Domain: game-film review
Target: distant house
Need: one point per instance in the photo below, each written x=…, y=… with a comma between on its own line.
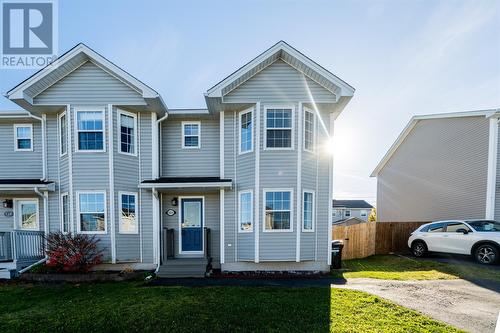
x=442, y=166
x=349, y=221
x=346, y=209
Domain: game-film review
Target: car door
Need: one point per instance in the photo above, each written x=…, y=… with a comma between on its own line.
x=433, y=237
x=455, y=240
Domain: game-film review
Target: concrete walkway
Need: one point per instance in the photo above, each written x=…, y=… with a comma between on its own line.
x=459, y=303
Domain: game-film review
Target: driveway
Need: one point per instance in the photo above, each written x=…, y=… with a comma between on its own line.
x=459, y=303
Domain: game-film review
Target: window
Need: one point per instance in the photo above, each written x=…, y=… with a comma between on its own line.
x=27, y=214
x=436, y=227
x=63, y=134
x=128, y=217
x=309, y=131
x=91, y=208
x=65, y=212
x=456, y=226
x=191, y=134
x=277, y=211
x=485, y=225
x=363, y=213
x=90, y=128
x=308, y=208
x=128, y=125
x=279, y=128
x=245, y=131
x=347, y=213
x=23, y=137
x=245, y=211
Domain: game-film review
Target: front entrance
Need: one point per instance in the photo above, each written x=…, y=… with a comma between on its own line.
x=191, y=225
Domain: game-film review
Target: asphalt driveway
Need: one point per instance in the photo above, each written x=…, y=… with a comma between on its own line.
x=460, y=303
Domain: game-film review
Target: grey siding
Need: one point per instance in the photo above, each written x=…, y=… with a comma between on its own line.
x=145, y=196
x=89, y=84
x=355, y=212
x=438, y=172
x=279, y=82
x=179, y=162
x=497, y=183
x=20, y=164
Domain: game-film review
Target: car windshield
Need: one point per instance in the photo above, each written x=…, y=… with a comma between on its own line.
x=485, y=225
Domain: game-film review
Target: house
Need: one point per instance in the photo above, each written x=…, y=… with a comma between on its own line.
x=345, y=209
x=442, y=166
x=242, y=185
x=349, y=221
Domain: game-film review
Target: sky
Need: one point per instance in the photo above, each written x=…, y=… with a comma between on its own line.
x=403, y=57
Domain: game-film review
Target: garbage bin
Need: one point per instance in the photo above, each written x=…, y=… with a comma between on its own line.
x=337, y=246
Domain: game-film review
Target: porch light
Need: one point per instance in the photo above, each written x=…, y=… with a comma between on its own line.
x=174, y=201
x=7, y=203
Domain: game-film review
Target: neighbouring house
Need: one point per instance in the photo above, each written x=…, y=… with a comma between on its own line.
x=442, y=166
x=346, y=209
x=349, y=221
x=242, y=185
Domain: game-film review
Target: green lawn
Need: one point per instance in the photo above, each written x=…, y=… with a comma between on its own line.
x=392, y=267
x=132, y=307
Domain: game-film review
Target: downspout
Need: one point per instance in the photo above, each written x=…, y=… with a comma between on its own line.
x=43, y=121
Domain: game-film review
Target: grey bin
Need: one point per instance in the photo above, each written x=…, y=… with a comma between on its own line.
x=337, y=246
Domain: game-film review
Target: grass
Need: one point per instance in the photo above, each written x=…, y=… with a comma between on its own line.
x=132, y=307
x=392, y=267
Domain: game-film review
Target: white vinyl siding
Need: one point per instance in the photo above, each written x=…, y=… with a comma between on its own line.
x=127, y=133
x=92, y=212
x=191, y=134
x=90, y=130
x=128, y=216
x=23, y=134
x=245, y=211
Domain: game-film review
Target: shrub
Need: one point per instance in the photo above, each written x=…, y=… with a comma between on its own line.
x=72, y=252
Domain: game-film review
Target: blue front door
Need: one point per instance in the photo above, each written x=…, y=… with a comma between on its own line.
x=192, y=224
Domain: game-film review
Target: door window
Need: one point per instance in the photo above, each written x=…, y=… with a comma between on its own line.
x=27, y=214
x=192, y=217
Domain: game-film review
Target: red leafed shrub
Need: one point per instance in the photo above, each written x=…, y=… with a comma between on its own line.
x=72, y=252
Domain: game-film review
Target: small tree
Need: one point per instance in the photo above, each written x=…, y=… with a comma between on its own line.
x=72, y=252
x=373, y=215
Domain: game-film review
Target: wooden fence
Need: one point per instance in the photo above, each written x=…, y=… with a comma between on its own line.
x=366, y=239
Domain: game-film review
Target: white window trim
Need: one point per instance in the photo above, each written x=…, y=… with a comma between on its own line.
x=59, y=117
x=16, y=126
x=17, y=224
x=307, y=110
x=90, y=109
x=79, y=224
x=279, y=106
x=134, y=194
x=118, y=131
x=239, y=211
x=61, y=212
x=203, y=224
x=240, y=115
x=199, y=134
x=266, y=190
x=313, y=221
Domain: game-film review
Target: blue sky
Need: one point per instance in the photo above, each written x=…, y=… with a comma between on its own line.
x=403, y=57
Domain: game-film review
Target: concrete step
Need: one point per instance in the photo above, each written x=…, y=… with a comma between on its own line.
x=183, y=267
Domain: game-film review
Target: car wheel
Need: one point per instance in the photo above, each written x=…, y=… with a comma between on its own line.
x=419, y=249
x=486, y=254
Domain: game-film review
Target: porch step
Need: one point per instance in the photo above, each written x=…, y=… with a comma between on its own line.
x=183, y=267
x=7, y=273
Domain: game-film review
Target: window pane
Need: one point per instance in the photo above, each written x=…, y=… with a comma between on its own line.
x=485, y=225
x=64, y=134
x=28, y=215
x=90, y=141
x=91, y=212
x=92, y=222
x=127, y=134
x=128, y=220
x=191, y=141
x=278, y=210
x=308, y=210
x=65, y=213
x=24, y=144
x=454, y=226
x=438, y=227
x=23, y=132
x=246, y=211
x=277, y=220
x=279, y=138
x=309, y=130
x=246, y=132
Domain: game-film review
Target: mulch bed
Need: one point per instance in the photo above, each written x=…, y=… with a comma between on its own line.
x=100, y=276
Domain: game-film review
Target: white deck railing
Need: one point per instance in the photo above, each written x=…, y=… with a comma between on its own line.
x=27, y=245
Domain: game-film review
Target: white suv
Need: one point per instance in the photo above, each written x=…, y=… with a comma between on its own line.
x=479, y=238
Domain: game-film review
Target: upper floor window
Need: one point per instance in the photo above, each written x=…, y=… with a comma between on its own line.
x=128, y=216
x=90, y=129
x=128, y=137
x=63, y=134
x=245, y=211
x=246, y=144
x=278, y=213
x=23, y=137
x=308, y=131
x=91, y=211
x=279, y=128
x=308, y=208
x=191, y=134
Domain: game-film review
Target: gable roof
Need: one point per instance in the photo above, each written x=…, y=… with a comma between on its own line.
x=415, y=119
x=351, y=204
x=291, y=56
x=73, y=59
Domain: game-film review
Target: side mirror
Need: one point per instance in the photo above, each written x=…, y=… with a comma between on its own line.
x=463, y=231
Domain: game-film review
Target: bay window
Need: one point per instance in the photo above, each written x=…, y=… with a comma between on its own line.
x=90, y=130
x=308, y=210
x=92, y=212
x=245, y=213
x=128, y=216
x=279, y=128
x=278, y=213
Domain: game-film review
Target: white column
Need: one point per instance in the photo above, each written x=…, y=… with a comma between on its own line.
x=256, y=215
x=70, y=167
x=299, y=181
x=492, y=169
x=111, y=153
x=330, y=195
x=222, y=226
x=156, y=225
x=44, y=146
